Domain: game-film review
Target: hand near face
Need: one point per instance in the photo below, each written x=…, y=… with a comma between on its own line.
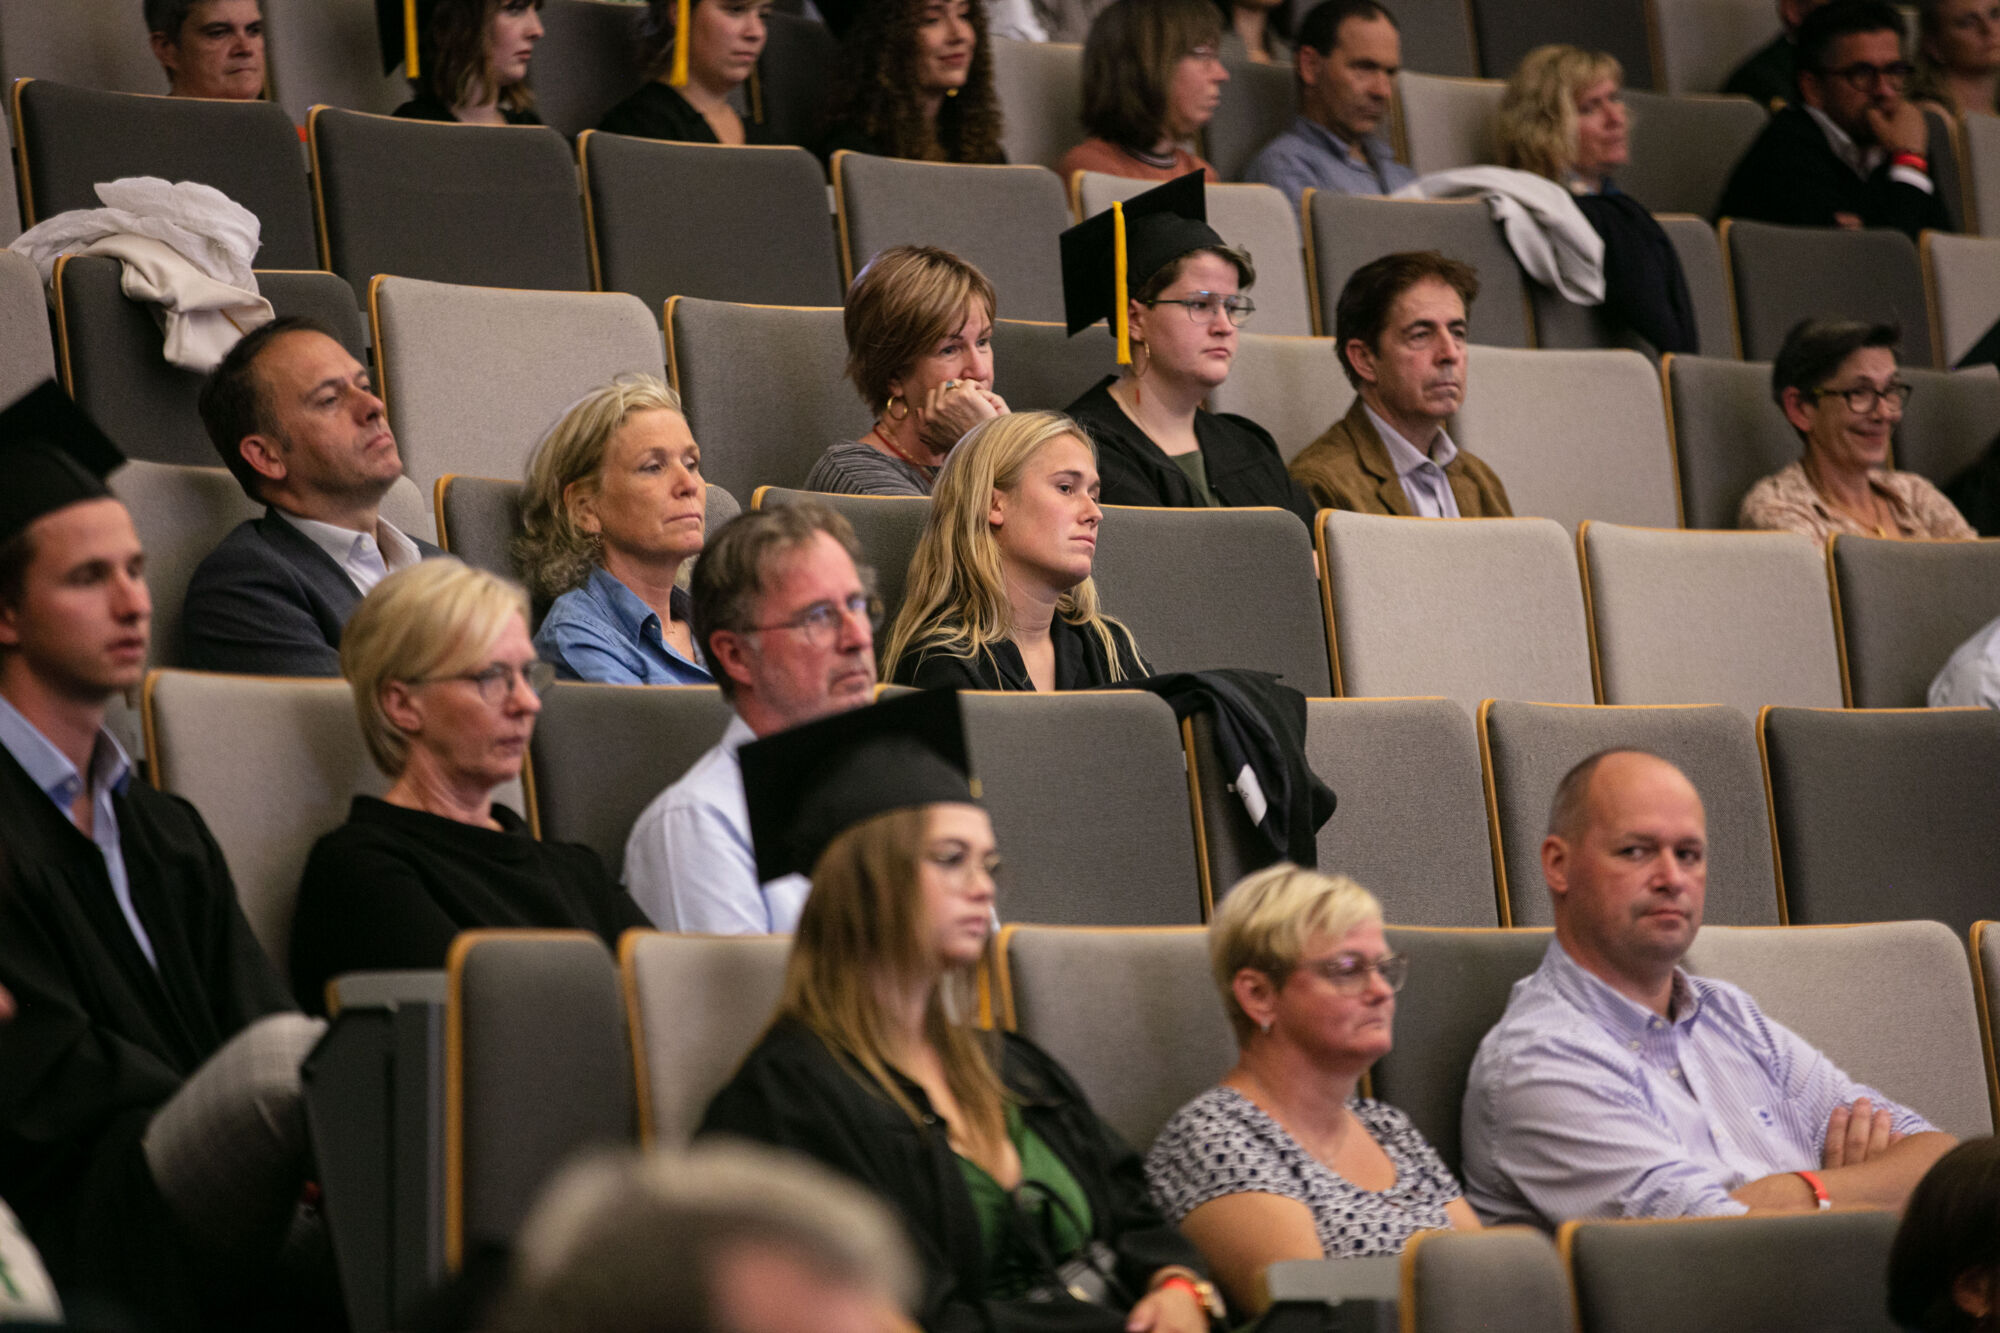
x=1168, y=1310
x=1902, y=130
x=953, y=408
x=1858, y=1134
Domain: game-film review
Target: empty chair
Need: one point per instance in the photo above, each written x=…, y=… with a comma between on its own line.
x=485, y=205
x=1443, y=123
x=727, y=224
x=1701, y=42
x=794, y=78
x=1885, y=815
x=1501, y=1280
x=1948, y=424
x=328, y=52
x=1003, y=219
x=1781, y=275
x=1037, y=366
x=1741, y=618
x=1727, y=434
x=1529, y=747
x=1259, y=102
x=586, y=62
x=1982, y=161
x=1683, y=148
x=72, y=138
x=1470, y=609
x=1573, y=435
x=887, y=526
x=26, y=356
x=1345, y=231
x=698, y=1004
x=1292, y=387
x=1508, y=29
x=1903, y=608
x=1962, y=277
x=1041, y=86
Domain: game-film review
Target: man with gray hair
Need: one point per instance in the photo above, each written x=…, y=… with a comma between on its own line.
x=209, y=48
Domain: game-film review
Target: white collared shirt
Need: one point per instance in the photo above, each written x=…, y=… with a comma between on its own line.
x=1422, y=475
x=1864, y=161
x=367, y=558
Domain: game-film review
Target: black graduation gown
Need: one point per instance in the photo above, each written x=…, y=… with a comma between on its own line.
x=658, y=111
x=100, y=1040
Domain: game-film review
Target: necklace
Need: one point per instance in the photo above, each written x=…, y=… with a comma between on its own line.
x=890, y=445
x=1870, y=520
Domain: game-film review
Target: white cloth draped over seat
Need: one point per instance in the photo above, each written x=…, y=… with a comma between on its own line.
x=1547, y=232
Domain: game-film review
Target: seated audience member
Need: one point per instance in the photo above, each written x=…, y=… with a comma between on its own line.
x=1563, y=117
x=613, y=508
x=1944, y=1267
x=1836, y=382
x=1400, y=329
x=1349, y=52
x=300, y=428
x=1958, y=55
x=762, y=1242
x=1250, y=32
x=784, y=616
x=153, y=1140
x=999, y=594
x=209, y=48
x=1152, y=77
x=446, y=687
x=687, y=94
x=919, y=324
x=1768, y=76
x=472, y=62
x=1851, y=153
x=1284, y=1160
x=1970, y=678
x=1173, y=311
x=1019, y=1200
x=1577, y=1105
x=916, y=81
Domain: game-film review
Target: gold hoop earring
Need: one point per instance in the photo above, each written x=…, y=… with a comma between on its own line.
x=889, y=408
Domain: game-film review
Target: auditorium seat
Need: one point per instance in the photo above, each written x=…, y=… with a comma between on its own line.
x=1260, y=102
x=1345, y=231
x=1508, y=30
x=181, y=513
x=794, y=77
x=1437, y=35
x=1948, y=424
x=698, y=1003
x=1293, y=387
x=1701, y=42
x=1683, y=148
x=1727, y=433
x=1039, y=367
x=1040, y=88
x=1980, y=133
x=328, y=52
x=91, y=46
x=1444, y=122
x=26, y=353
x=1500, y=1280
x=1529, y=747
x=587, y=62
x=887, y=526
x=1986, y=983
x=1782, y=275
x=1962, y=279
x=1945, y=153
x=1561, y=323
x=1903, y=608
x=1742, y=618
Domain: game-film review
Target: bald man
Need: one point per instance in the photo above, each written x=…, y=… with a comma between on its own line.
x=1616, y=1085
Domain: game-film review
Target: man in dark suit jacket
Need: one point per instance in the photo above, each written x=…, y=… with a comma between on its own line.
x=297, y=423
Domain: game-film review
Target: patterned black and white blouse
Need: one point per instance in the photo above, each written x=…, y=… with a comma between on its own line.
x=1222, y=1143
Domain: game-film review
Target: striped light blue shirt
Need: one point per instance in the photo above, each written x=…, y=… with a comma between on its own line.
x=1582, y=1104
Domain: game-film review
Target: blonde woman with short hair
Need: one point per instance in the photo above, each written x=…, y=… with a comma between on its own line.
x=1283, y=1160
x=446, y=686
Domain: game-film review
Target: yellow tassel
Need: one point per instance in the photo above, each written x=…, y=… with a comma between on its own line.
x=410, y=70
x=1120, y=318
x=683, y=15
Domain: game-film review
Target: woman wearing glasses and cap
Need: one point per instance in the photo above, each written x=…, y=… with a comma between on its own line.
x=1174, y=306
x=693, y=75
x=1282, y=1160
x=471, y=59
x=446, y=685
x=1025, y=1210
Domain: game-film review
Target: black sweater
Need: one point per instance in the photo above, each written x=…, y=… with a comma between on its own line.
x=1081, y=663
x=1791, y=176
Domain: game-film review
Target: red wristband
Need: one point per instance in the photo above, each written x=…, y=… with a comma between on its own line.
x=1185, y=1285
x=1818, y=1187
x=1911, y=160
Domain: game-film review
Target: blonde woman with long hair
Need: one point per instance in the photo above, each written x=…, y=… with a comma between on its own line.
x=999, y=594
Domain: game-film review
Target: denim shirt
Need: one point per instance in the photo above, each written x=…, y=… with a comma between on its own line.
x=603, y=632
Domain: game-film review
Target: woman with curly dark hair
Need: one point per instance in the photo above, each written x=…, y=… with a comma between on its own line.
x=472, y=62
x=917, y=82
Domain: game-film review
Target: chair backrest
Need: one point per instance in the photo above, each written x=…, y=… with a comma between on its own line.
x=328, y=53
x=1683, y=148
x=1700, y=253
x=1986, y=985
x=1574, y=435
x=1903, y=608
x=475, y=376
x=1981, y=131
x=1259, y=101
x=1041, y=86
x=92, y=46
x=1717, y=1272
x=592, y=779
x=1742, y=618
x=673, y=219
x=1884, y=815
x=751, y=436
x=1528, y=748
x=1251, y=573
x=1037, y=366
x=1727, y=434
x=485, y=205
x=1962, y=277
x=1470, y=609
x=27, y=356
x=697, y=1005
x=1508, y=29
x=72, y=138
x=1345, y=231
x=586, y=62
x=113, y=367
x=1132, y=1015
x=1292, y=387
x=1701, y=42
x=538, y=1066
x=887, y=527
x=794, y=78
x=1948, y=425
x=1944, y=151
x=1089, y=798
x=1444, y=122
x=1003, y=219
x=1501, y=1280
x=181, y=514
x=1781, y=275
x=1437, y=35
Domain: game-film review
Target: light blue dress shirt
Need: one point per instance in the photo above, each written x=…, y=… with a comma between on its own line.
x=603, y=632
x=1422, y=475
x=49, y=769
x=1309, y=155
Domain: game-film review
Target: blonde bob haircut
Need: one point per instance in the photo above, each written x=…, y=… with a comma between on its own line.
x=436, y=618
x=552, y=550
x=907, y=301
x=1266, y=921
x=1536, y=125
x=956, y=602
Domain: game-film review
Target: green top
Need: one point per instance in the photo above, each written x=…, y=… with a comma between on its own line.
x=1196, y=468
x=1006, y=1221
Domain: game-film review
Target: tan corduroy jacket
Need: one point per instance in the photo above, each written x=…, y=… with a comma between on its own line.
x=1348, y=467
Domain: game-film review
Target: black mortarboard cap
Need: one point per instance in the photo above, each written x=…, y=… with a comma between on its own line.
x=399, y=24
x=808, y=785
x=51, y=455
x=1157, y=228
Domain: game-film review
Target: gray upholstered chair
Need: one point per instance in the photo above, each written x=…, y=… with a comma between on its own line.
x=1884, y=815
x=1508, y=29
x=329, y=53
x=112, y=362
x=1003, y=219
x=1261, y=100
x=1133, y=1015
x=1437, y=35
x=1037, y=366
x=475, y=376
x=1982, y=160
x=750, y=435
x=89, y=45
x=26, y=354
x=485, y=205
x=181, y=513
x=1943, y=153
x=1798, y=1274
x=794, y=78
x=1345, y=231
x=1441, y=122
x=1985, y=942
x=1701, y=42
x=72, y=138
x=1292, y=387
x=1948, y=424
x=1903, y=608
x=1742, y=618
x=1574, y=435
x=1041, y=86
x=690, y=219
x=1501, y=1280
x=1561, y=323
x=1782, y=275
x=601, y=753
x=887, y=527
x=1683, y=148
x=699, y=1003
x=1528, y=748
x=1472, y=609
x=1962, y=278
x=1727, y=434
x=586, y=62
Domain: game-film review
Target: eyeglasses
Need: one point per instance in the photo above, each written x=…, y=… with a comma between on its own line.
x=497, y=682
x=1348, y=973
x=821, y=622
x=1862, y=398
x=1862, y=76
x=1201, y=307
